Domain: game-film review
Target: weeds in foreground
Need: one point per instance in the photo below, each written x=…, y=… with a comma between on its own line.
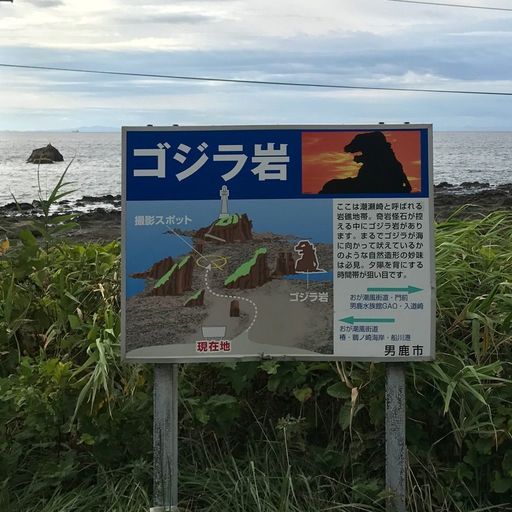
x=267, y=436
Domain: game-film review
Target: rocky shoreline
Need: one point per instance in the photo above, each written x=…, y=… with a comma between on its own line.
x=99, y=218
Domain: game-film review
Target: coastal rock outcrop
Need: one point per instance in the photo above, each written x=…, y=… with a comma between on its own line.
x=46, y=155
x=156, y=271
x=177, y=280
x=251, y=274
x=232, y=228
x=197, y=299
x=234, y=309
x=285, y=265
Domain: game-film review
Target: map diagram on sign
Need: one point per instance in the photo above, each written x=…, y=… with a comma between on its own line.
x=227, y=289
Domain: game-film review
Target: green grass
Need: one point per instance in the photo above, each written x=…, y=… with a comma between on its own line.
x=171, y=271
x=259, y=436
x=166, y=276
x=183, y=261
x=194, y=296
x=228, y=221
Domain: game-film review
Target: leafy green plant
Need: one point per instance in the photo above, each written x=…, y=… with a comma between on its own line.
x=268, y=435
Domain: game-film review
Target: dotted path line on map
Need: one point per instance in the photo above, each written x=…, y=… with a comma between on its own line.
x=224, y=296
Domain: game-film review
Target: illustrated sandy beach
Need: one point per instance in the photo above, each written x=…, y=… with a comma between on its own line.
x=289, y=312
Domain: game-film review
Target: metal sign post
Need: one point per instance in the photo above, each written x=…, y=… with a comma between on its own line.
x=165, y=438
x=396, y=450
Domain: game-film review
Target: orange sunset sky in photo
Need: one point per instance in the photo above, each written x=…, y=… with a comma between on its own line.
x=323, y=158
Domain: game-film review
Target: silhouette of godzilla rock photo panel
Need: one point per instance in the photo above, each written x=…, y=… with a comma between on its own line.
x=380, y=171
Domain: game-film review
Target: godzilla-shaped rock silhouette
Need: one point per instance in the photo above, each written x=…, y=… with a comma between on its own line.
x=380, y=172
x=308, y=260
x=251, y=274
x=46, y=155
x=234, y=228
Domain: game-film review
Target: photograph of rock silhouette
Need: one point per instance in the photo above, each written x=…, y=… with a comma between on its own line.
x=373, y=162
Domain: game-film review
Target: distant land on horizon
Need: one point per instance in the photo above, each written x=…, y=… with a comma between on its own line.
x=113, y=129
x=82, y=129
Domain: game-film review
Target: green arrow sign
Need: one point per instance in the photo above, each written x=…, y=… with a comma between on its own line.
x=409, y=289
x=352, y=320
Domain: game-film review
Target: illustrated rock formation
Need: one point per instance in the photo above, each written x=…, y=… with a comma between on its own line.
x=156, y=271
x=252, y=273
x=234, y=309
x=197, y=299
x=199, y=245
x=233, y=228
x=285, y=264
x=46, y=155
x=308, y=261
x=177, y=280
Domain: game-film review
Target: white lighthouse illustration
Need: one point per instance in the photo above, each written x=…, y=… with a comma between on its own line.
x=224, y=194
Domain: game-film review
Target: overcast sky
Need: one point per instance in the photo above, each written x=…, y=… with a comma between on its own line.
x=359, y=42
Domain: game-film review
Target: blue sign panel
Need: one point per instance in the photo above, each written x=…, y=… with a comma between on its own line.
x=310, y=242
x=272, y=163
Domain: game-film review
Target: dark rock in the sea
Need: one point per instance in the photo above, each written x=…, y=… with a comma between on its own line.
x=285, y=265
x=46, y=155
x=107, y=198
x=195, y=300
x=36, y=203
x=443, y=184
x=474, y=184
x=234, y=309
x=14, y=207
x=9, y=207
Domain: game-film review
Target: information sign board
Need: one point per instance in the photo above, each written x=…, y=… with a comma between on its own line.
x=289, y=242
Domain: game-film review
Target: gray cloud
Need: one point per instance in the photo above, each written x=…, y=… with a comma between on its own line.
x=167, y=18
x=444, y=55
x=45, y=3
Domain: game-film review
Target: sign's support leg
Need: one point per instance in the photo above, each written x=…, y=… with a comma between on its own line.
x=165, y=438
x=396, y=451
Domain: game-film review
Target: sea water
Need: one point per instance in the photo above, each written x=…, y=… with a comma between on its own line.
x=459, y=157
